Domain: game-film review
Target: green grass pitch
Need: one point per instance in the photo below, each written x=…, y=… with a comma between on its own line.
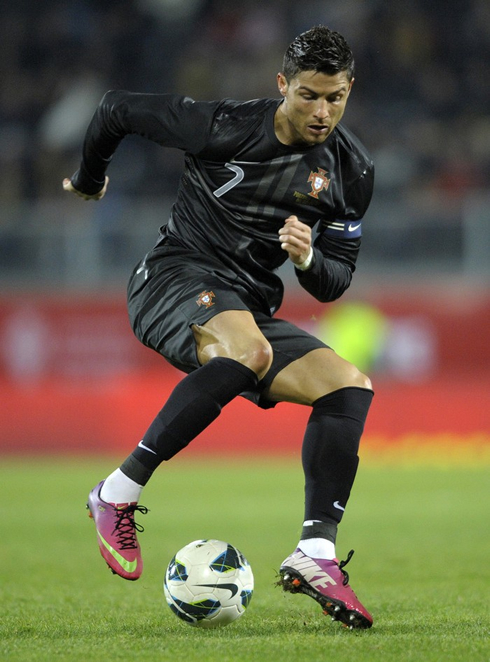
x=422, y=564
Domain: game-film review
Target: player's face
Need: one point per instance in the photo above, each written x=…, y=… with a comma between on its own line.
x=313, y=105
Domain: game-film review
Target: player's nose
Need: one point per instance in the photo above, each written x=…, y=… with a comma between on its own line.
x=321, y=109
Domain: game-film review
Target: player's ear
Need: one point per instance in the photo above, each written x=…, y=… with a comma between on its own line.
x=282, y=84
x=349, y=89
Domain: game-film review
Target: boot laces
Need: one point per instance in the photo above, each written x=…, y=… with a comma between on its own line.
x=125, y=528
x=342, y=564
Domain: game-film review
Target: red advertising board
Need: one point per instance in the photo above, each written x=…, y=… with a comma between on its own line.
x=74, y=378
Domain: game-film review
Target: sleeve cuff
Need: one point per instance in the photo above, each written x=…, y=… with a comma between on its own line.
x=304, y=266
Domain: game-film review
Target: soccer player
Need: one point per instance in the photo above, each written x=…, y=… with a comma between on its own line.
x=259, y=177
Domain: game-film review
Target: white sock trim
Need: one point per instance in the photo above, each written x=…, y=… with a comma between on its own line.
x=318, y=548
x=118, y=488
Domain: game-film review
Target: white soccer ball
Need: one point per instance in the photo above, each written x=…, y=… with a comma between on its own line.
x=208, y=583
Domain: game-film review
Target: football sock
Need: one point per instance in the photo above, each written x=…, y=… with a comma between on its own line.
x=318, y=548
x=329, y=455
x=118, y=488
x=318, y=539
x=194, y=403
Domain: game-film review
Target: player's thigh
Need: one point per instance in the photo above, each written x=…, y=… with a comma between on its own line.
x=234, y=334
x=314, y=375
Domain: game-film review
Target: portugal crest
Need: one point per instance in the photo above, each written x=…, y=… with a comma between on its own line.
x=205, y=299
x=318, y=182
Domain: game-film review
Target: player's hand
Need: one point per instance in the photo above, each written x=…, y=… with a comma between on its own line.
x=295, y=238
x=68, y=186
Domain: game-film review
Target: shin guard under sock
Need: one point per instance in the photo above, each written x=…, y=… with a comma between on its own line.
x=194, y=403
x=329, y=454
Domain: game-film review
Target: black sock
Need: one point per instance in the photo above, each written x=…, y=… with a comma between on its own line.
x=193, y=404
x=329, y=454
x=327, y=530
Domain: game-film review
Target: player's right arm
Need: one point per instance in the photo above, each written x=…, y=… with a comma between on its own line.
x=68, y=186
x=170, y=120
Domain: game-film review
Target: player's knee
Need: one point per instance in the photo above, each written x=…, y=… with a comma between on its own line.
x=366, y=382
x=253, y=352
x=357, y=378
x=257, y=356
x=347, y=375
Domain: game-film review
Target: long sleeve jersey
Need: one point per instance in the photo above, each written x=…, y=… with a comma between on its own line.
x=240, y=183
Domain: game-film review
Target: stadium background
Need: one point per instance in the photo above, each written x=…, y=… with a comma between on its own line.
x=417, y=316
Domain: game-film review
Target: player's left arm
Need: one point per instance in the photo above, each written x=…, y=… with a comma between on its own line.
x=324, y=268
x=334, y=253
x=332, y=267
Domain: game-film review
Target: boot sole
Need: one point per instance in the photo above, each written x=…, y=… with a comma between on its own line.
x=293, y=582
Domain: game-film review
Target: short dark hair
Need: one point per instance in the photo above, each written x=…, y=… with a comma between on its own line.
x=318, y=49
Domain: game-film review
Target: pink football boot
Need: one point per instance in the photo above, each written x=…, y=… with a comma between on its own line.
x=116, y=534
x=327, y=583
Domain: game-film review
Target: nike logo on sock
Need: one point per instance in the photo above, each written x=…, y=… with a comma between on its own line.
x=337, y=505
x=145, y=448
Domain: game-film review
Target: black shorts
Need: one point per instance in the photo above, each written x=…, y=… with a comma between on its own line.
x=173, y=288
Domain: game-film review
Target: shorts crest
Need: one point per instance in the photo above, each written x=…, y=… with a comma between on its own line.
x=205, y=299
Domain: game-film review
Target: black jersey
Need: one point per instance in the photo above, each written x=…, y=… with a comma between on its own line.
x=240, y=183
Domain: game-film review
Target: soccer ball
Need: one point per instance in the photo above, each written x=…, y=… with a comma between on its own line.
x=208, y=583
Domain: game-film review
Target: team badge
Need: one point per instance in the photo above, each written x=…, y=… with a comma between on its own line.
x=205, y=299
x=318, y=182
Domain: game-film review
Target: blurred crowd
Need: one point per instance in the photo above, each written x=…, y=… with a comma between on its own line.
x=420, y=101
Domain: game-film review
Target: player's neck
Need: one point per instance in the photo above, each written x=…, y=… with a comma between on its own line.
x=282, y=127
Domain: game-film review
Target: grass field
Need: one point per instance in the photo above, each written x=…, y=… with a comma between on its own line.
x=422, y=564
